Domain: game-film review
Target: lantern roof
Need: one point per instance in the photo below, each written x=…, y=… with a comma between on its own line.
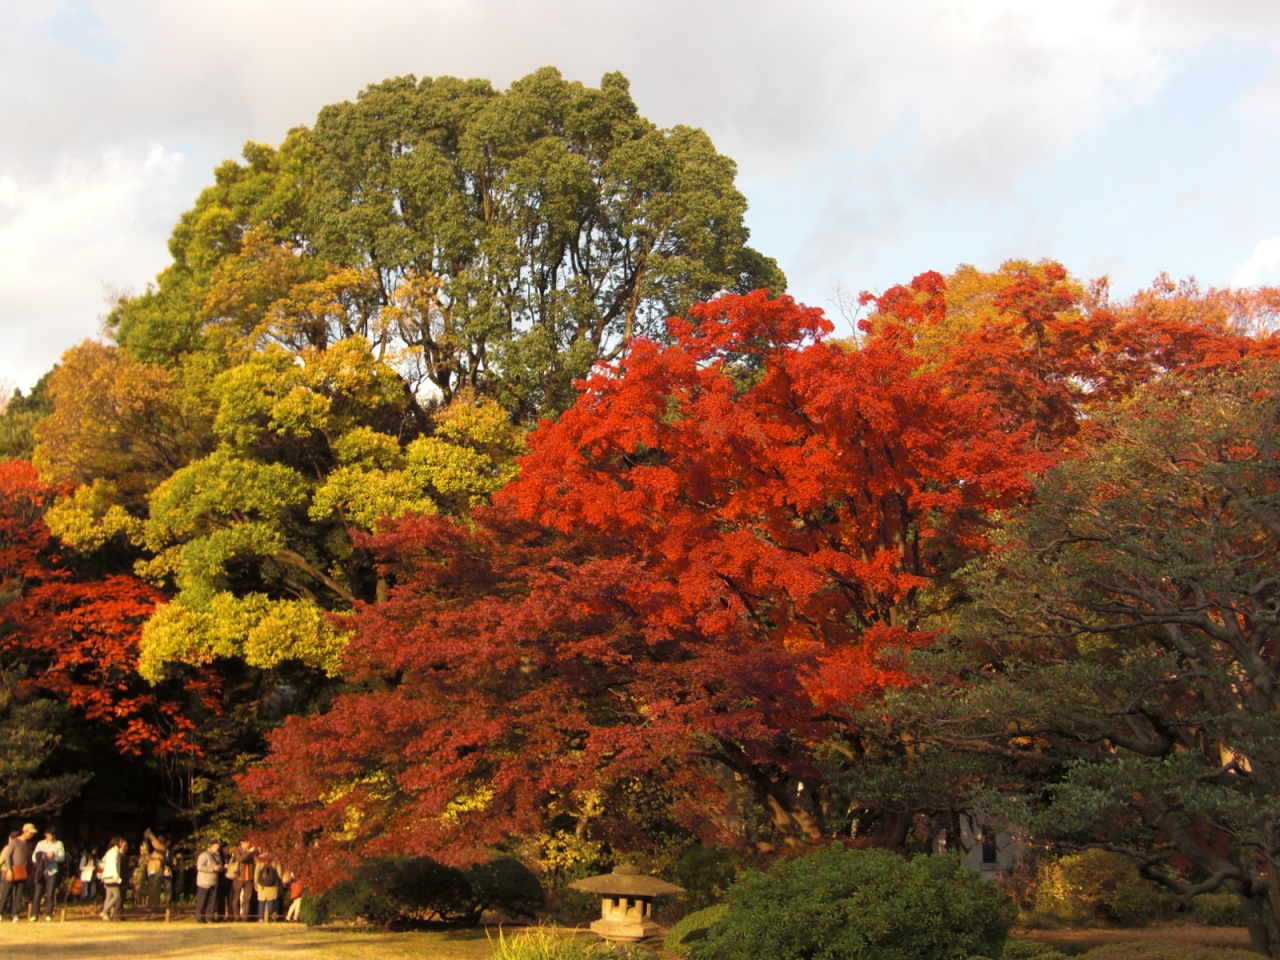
x=625, y=881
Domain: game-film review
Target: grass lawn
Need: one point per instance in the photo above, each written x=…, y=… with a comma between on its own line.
x=1072, y=940
x=83, y=939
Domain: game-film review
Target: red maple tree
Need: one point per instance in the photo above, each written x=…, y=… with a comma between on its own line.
x=701, y=563
x=76, y=634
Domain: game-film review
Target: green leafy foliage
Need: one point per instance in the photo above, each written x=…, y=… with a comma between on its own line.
x=30, y=730
x=261, y=197
x=1217, y=910
x=19, y=413
x=480, y=239
x=707, y=873
x=1098, y=885
x=856, y=904
x=692, y=928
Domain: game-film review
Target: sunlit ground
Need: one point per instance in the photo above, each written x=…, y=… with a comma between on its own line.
x=185, y=940
x=80, y=937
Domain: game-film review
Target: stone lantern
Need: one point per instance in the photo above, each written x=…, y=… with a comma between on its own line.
x=626, y=914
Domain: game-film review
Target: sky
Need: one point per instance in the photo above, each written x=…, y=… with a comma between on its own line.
x=874, y=140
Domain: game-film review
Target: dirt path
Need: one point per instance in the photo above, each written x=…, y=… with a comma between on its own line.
x=186, y=940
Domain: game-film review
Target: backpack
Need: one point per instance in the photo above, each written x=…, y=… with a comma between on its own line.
x=267, y=876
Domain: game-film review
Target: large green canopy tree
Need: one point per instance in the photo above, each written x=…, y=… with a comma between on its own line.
x=497, y=240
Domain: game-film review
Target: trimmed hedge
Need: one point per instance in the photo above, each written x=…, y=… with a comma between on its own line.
x=861, y=905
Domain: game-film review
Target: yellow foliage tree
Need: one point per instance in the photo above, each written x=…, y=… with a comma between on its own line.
x=259, y=537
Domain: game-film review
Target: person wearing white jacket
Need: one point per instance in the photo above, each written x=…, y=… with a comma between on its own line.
x=50, y=855
x=112, y=876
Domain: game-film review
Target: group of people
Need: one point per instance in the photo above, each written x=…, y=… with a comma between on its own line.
x=231, y=882
x=39, y=871
x=240, y=883
x=31, y=869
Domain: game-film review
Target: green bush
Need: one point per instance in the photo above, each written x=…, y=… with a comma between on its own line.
x=1029, y=950
x=707, y=873
x=395, y=891
x=543, y=944
x=692, y=928
x=1165, y=950
x=401, y=891
x=1217, y=910
x=859, y=905
x=1099, y=885
x=505, y=884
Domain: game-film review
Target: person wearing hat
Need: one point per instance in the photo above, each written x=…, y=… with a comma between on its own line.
x=50, y=855
x=16, y=874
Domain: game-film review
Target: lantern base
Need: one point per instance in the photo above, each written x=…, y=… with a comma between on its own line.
x=625, y=931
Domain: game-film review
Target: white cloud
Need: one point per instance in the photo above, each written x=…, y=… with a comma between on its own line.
x=1263, y=265
x=87, y=224
x=856, y=120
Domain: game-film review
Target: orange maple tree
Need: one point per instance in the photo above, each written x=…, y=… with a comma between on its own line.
x=720, y=547
x=1049, y=350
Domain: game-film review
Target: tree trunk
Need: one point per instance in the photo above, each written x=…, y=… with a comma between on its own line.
x=1259, y=920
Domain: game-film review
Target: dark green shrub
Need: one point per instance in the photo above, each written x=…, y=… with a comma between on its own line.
x=505, y=884
x=1027, y=950
x=1217, y=910
x=1165, y=950
x=691, y=929
x=861, y=905
x=707, y=873
x=395, y=891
